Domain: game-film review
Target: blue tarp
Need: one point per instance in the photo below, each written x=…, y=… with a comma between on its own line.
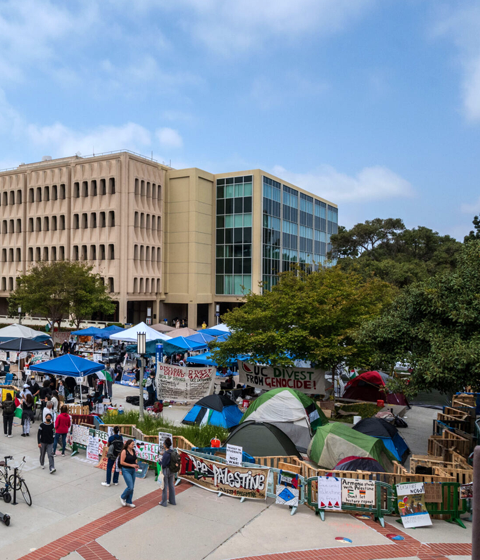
x=91, y=331
x=202, y=359
x=105, y=333
x=201, y=338
x=227, y=418
x=213, y=332
x=68, y=365
x=180, y=344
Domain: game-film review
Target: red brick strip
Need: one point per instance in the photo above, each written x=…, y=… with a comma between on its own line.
x=93, y=551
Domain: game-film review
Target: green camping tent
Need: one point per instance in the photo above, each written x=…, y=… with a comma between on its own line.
x=293, y=412
x=261, y=439
x=336, y=441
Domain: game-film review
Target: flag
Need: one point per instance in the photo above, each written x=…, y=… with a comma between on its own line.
x=107, y=375
x=18, y=412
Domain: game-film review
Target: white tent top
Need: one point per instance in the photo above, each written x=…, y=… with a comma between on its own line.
x=130, y=335
x=221, y=327
x=19, y=331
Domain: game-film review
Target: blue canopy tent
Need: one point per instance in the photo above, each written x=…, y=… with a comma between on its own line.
x=213, y=332
x=105, y=333
x=201, y=338
x=91, y=331
x=181, y=344
x=202, y=359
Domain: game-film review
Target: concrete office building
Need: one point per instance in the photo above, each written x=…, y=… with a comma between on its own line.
x=169, y=243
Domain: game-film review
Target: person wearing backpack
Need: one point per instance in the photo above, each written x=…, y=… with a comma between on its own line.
x=170, y=466
x=9, y=407
x=115, y=446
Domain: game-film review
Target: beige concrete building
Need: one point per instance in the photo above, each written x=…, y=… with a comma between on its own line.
x=169, y=243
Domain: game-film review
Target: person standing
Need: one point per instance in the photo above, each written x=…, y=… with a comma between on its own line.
x=54, y=401
x=168, y=471
x=49, y=410
x=25, y=391
x=115, y=446
x=45, y=440
x=63, y=423
x=128, y=463
x=28, y=414
x=9, y=407
x=151, y=389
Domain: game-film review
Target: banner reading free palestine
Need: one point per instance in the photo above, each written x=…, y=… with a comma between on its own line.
x=306, y=380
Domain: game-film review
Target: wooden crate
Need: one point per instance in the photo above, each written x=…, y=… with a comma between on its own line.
x=452, y=422
x=450, y=411
x=441, y=445
x=464, y=400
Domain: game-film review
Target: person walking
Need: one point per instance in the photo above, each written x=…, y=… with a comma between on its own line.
x=45, y=440
x=169, y=468
x=28, y=414
x=63, y=423
x=115, y=446
x=9, y=407
x=128, y=463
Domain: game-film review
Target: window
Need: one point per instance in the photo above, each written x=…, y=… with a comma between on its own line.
x=4, y=284
x=76, y=221
x=93, y=220
x=135, y=252
x=46, y=224
x=159, y=224
x=62, y=222
x=153, y=254
x=62, y=253
x=135, y=285
x=158, y=255
x=147, y=254
x=47, y=193
x=85, y=188
x=142, y=220
x=75, y=252
x=111, y=219
x=30, y=224
x=10, y=255
x=142, y=252
x=84, y=253
x=30, y=254
x=141, y=285
x=111, y=252
x=111, y=185
x=19, y=255
x=4, y=226
x=62, y=192
x=103, y=186
x=154, y=190
x=149, y=190
x=39, y=194
x=84, y=221
x=4, y=255
x=76, y=190
x=93, y=252
x=12, y=197
x=54, y=192
x=31, y=195
x=158, y=285
x=38, y=224
x=103, y=221
x=19, y=197
x=5, y=199
x=102, y=252
x=45, y=253
x=136, y=186
x=94, y=188
x=147, y=224
x=135, y=220
x=111, y=285
x=10, y=283
x=147, y=285
x=54, y=223
x=142, y=188
x=159, y=192
x=12, y=226
x=54, y=253
x=38, y=254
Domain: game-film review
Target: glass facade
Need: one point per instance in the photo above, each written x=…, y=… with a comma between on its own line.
x=233, y=263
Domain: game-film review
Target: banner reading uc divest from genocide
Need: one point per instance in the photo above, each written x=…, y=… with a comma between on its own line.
x=184, y=383
x=239, y=482
x=306, y=380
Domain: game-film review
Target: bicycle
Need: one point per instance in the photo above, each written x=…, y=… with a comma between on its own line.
x=10, y=484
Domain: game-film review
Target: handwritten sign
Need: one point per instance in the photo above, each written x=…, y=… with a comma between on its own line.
x=184, y=383
x=433, y=493
x=411, y=505
x=329, y=492
x=359, y=492
x=286, y=496
x=146, y=450
x=234, y=455
x=80, y=434
x=92, y=448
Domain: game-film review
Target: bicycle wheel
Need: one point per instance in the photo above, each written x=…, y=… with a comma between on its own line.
x=25, y=493
x=11, y=480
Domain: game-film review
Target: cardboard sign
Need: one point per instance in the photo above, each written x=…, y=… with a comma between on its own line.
x=411, y=505
x=80, y=434
x=162, y=436
x=329, y=493
x=358, y=492
x=286, y=496
x=146, y=450
x=466, y=491
x=238, y=482
x=93, y=448
x=184, y=383
x=289, y=479
x=433, y=493
x=234, y=455
x=306, y=380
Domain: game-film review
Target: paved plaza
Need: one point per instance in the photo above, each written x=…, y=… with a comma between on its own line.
x=73, y=516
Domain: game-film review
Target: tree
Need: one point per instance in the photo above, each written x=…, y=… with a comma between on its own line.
x=473, y=234
x=60, y=290
x=386, y=249
x=435, y=327
x=306, y=316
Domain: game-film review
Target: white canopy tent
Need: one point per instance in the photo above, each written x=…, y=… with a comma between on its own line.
x=18, y=331
x=130, y=335
x=221, y=327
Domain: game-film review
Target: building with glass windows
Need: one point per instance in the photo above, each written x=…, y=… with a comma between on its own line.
x=170, y=243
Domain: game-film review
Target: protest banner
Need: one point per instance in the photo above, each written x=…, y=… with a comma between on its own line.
x=329, y=493
x=433, y=493
x=80, y=434
x=306, y=380
x=184, y=383
x=358, y=492
x=411, y=505
x=238, y=482
x=146, y=450
x=234, y=455
x=92, y=448
x=466, y=491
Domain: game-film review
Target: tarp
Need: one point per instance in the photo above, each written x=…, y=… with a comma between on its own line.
x=107, y=331
x=184, y=331
x=202, y=359
x=214, y=410
x=293, y=412
x=162, y=327
x=200, y=338
x=181, y=344
x=18, y=331
x=90, y=331
x=130, y=335
x=359, y=464
x=336, y=441
x=370, y=386
x=213, y=332
x=388, y=433
x=261, y=439
x=23, y=345
x=68, y=365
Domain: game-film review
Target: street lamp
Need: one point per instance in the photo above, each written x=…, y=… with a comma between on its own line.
x=141, y=349
x=19, y=315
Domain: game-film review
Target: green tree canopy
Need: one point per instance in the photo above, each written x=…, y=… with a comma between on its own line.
x=386, y=249
x=435, y=327
x=311, y=316
x=61, y=290
x=475, y=233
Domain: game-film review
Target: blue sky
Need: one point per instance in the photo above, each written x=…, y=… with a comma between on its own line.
x=373, y=104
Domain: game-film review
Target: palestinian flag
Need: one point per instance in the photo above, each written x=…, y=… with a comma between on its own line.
x=18, y=410
x=107, y=375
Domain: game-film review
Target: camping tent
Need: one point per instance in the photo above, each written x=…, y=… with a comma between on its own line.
x=130, y=335
x=261, y=439
x=336, y=441
x=359, y=464
x=214, y=410
x=388, y=433
x=19, y=331
x=370, y=386
x=23, y=345
x=68, y=365
x=293, y=412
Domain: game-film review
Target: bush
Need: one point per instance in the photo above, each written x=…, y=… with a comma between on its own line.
x=365, y=410
x=200, y=436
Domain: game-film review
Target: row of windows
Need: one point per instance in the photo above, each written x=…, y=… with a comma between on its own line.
x=145, y=285
x=147, y=221
x=102, y=220
x=11, y=255
x=83, y=253
x=234, y=206
x=10, y=198
x=235, y=266
x=234, y=235
x=231, y=191
x=237, y=220
x=147, y=189
x=10, y=283
x=44, y=224
x=94, y=189
x=233, y=284
x=147, y=253
x=46, y=254
x=234, y=251
x=11, y=226
x=40, y=193
x=235, y=180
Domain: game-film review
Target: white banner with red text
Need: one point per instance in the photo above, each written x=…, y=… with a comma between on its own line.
x=179, y=383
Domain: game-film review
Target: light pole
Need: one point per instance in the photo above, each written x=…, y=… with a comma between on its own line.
x=19, y=315
x=141, y=349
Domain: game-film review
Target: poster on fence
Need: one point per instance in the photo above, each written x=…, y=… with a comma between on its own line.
x=306, y=380
x=329, y=493
x=433, y=492
x=238, y=482
x=179, y=383
x=92, y=448
x=358, y=492
x=146, y=450
x=411, y=505
x=80, y=434
x=466, y=491
x=234, y=455
x=286, y=496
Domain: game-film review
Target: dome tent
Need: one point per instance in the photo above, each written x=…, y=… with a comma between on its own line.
x=261, y=439
x=336, y=441
x=296, y=414
x=388, y=433
x=359, y=464
x=371, y=386
x=214, y=410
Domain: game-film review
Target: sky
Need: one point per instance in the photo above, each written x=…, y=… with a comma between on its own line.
x=372, y=104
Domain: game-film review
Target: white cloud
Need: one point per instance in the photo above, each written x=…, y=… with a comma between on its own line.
x=169, y=138
x=371, y=183
x=462, y=25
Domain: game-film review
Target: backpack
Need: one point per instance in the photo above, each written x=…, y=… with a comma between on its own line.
x=9, y=407
x=175, y=462
x=115, y=449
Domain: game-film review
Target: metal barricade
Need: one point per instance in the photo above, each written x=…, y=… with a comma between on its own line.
x=384, y=501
